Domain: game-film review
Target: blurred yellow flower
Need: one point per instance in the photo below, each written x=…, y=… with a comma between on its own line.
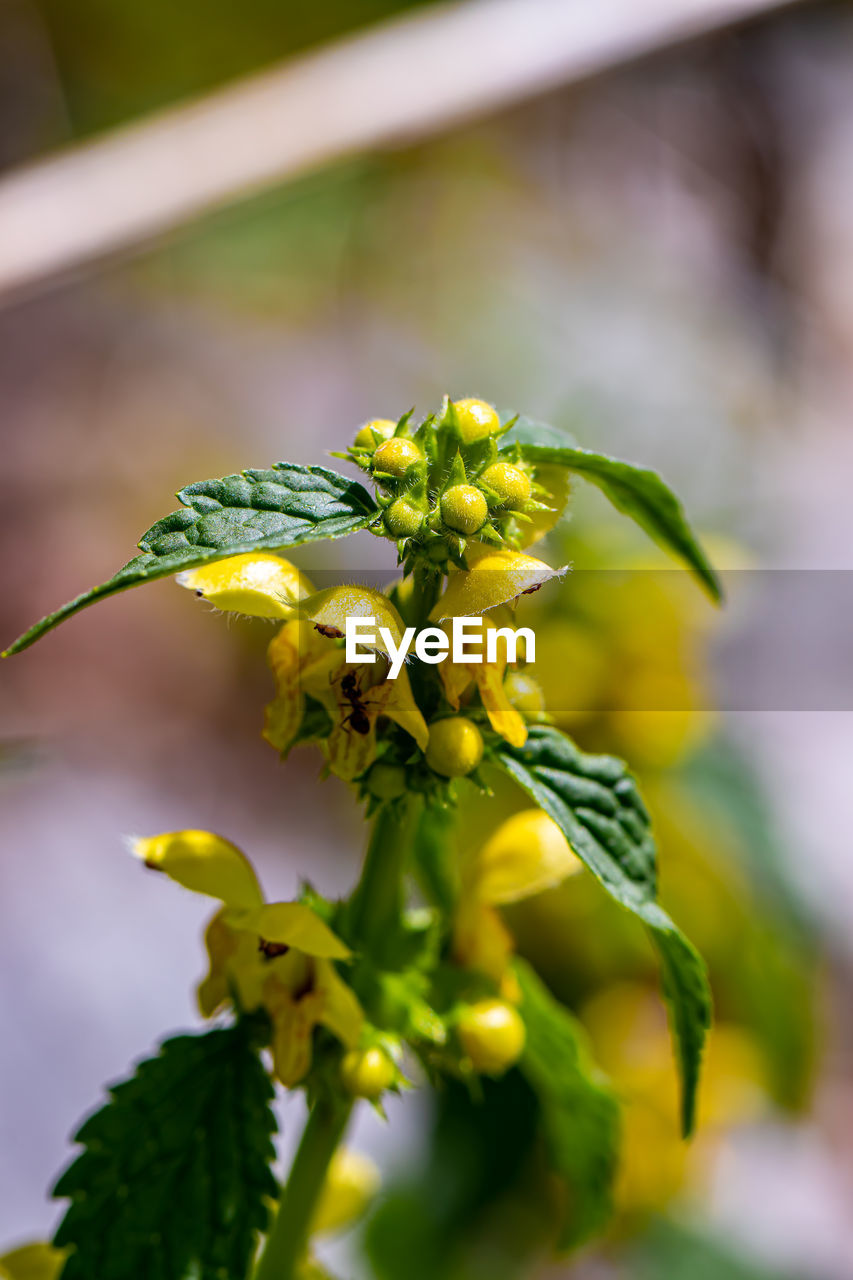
x=351, y=1183
x=489, y=678
x=525, y=855
x=38, y=1261
x=279, y=954
x=305, y=659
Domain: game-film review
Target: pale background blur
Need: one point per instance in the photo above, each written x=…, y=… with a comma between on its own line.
x=660, y=257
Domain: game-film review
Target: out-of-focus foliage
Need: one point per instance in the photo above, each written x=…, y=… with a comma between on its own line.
x=622, y=657
x=120, y=60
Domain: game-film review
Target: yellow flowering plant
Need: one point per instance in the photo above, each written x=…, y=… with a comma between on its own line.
x=350, y=999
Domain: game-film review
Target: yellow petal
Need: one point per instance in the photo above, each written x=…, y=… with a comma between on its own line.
x=350, y=753
x=481, y=940
x=495, y=576
x=39, y=1261
x=456, y=676
x=260, y=584
x=526, y=854
x=332, y=607
x=394, y=699
x=293, y=924
x=294, y=1018
x=341, y=1011
x=351, y=1183
x=503, y=716
x=203, y=862
x=236, y=967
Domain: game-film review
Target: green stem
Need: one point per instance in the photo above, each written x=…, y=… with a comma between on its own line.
x=426, y=586
x=287, y=1241
x=377, y=902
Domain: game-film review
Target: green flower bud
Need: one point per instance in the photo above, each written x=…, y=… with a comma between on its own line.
x=477, y=419
x=386, y=781
x=455, y=747
x=525, y=694
x=402, y=520
x=373, y=433
x=367, y=1073
x=492, y=1035
x=464, y=508
x=510, y=483
x=396, y=456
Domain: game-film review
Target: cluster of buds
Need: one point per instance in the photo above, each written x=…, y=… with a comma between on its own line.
x=444, y=482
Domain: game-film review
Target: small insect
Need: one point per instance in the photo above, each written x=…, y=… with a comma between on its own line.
x=331, y=633
x=272, y=949
x=528, y=591
x=357, y=717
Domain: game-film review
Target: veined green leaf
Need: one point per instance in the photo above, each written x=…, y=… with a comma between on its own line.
x=175, y=1174
x=635, y=491
x=596, y=804
x=284, y=506
x=580, y=1115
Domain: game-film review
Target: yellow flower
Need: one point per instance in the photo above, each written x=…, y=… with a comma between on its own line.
x=351, y=1184
x=495, y=576
x=306, y=660
x=525, y=855
x=627, y=1025
x=258, y=583
x=278, y=954
x=489, y=678
x=39, y=1261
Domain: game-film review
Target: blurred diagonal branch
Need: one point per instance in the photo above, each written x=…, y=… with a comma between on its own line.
x=405, y=80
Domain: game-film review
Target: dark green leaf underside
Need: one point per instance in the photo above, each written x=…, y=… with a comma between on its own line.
x=175, y=1175
x=640, y=494
x=284, y=506
x=580, y=1115
x=596, y=804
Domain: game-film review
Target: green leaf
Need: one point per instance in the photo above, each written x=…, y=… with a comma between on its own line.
x=636, y=492
x=596, y=804
x=529, y=431
x=580, y=1116
x=284, y=506
x=175, y=1174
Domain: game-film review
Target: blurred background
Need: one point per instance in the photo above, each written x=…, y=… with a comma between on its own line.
x=658, y=258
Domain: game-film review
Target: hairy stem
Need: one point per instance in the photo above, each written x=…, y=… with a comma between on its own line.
x=288, y=1239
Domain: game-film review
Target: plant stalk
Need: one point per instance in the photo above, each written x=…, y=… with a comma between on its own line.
x=288, y=1240
x=377, y=902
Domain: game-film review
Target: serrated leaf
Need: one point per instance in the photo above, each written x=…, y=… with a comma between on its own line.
x=596, y=804
x=636, y=492
x=175, y=1175
x=284, y=506
x=580, y=1116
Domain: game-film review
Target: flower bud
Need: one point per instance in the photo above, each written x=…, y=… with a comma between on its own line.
x=477, y=420
x=386, y=781
x=510, y=484
x=367, y=1073
x=373, y=433
x=464, y=508
x=402, y=520
x=492, y=1035
x=525, y=694
x=396, y=456
x=455, y=747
